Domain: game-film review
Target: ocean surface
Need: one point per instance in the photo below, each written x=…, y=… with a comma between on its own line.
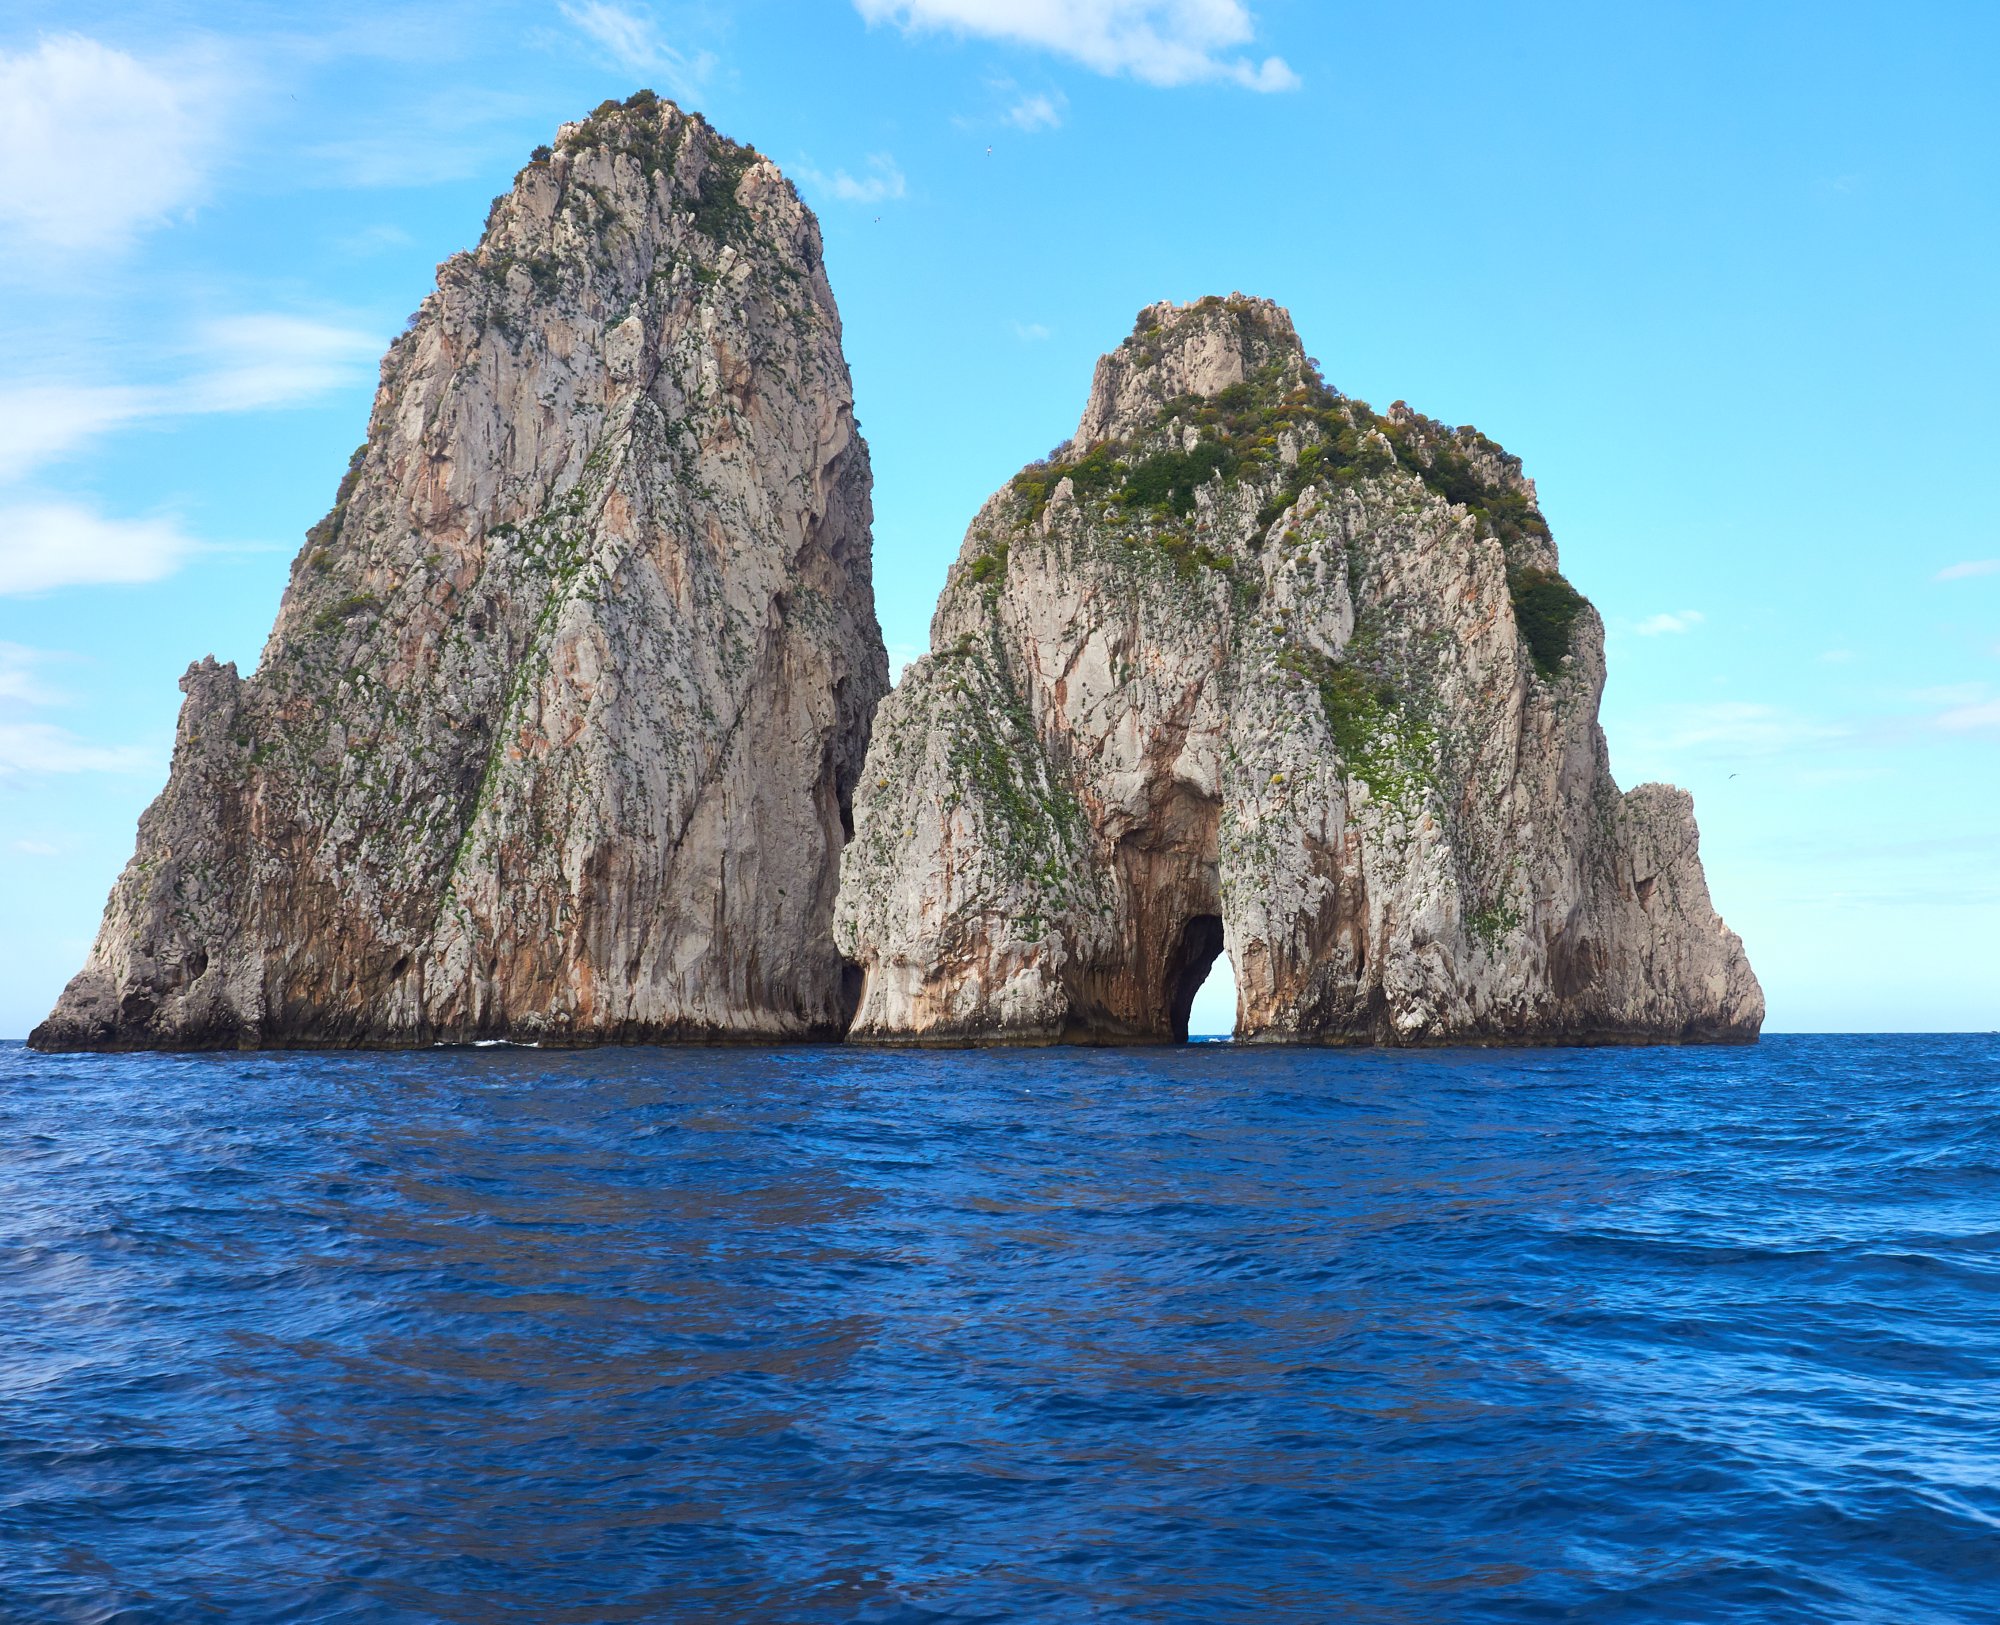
x=838, y=1335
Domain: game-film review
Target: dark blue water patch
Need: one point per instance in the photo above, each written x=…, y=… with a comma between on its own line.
x=839, y=1335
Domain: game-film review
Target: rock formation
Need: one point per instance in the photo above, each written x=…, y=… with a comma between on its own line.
x=1245, y=662
x=556, y=732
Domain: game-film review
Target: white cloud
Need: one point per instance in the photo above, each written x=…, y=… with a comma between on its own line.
x=37, y=747
x=1837, y=657
x=883, y=181
x=1671, y=621
x=1968, y=709
x=268, y=360
x=39, y=421
x=17, y=677
x=100, y=145
x=1971, y=567
x=1986, y=714
x=1740, y=726
x=38, y=849
x=1950, y=694
x=1033, y=332
x=41, y=747
x=1162, y=42
x=632, y=39
x=374, y=240
x=248, y=363
x=53, y=544
x=1036, y=112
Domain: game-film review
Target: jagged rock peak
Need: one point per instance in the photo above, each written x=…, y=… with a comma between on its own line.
x=1249, y=664
x=1199, y=349
x=556, y=731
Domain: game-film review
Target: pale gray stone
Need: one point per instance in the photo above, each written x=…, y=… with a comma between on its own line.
x=555, y=735
x=1301, y=715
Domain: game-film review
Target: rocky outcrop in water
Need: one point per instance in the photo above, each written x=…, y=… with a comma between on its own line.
x=556, y=732
x=1246, y=662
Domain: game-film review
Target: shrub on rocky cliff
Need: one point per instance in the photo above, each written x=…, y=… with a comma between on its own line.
x=1545, y=609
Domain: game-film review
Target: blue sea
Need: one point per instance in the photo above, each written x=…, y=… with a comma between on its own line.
x=828, y=1334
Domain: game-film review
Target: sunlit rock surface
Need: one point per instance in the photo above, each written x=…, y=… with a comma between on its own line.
x=1247, y=661
x=555, y=735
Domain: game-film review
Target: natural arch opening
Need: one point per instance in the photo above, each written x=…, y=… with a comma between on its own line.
x=1213, y=1013
x=1187, y=969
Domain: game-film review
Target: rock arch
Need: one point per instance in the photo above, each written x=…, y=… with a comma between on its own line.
x=1246, y=658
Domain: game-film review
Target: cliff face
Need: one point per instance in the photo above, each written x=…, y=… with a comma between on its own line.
x=1246, y=662
x=556, y=732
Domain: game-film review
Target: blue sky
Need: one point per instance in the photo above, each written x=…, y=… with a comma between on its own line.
x=1722, y=274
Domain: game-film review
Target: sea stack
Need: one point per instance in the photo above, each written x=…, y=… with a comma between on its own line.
x=1245, y=662
x=556, y=733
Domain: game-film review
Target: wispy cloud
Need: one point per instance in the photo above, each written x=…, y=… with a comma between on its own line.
x=1971, y=567
x=40, y=747
x=259, y=361
x=1160, y=42
x=41, y=421
x=101, y=145
x=58, y=544
x=1032, y=332
x=1969, y=712
x=1950, y=694
x=882, y=182
x=374, y=240
x=632, y=39
x=1739, y=727
x=1669, y=622
x=18, y=680
x=1037, y=112
x=245, y=363
x=28, y=746
x=427, y=140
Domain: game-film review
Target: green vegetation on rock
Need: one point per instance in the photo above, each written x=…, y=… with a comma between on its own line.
x=1493, y=924
x=1545, y=609
x=1381, y=738
x=1440, y=457
x=322, y=537
x=1240, y=436
x=641, y=138
x=991, y=565
x=717, y=212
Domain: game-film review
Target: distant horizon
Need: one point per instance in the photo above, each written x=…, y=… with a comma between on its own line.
x=1741, y=338
x=1194, y=1037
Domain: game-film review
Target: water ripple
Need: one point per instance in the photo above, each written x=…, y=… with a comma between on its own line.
x=838, y=1335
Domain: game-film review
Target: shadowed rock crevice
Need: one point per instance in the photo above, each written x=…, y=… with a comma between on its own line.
x=1246, y=650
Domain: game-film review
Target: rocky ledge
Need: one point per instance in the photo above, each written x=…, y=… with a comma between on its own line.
x=1245, y=662
x=556, y=733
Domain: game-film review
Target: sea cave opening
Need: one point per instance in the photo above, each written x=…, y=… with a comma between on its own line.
x=1212, y=1013
x=1190, y=970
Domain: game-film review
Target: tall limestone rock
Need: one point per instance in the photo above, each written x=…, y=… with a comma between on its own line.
x=556, y=733
x=1245, y=662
